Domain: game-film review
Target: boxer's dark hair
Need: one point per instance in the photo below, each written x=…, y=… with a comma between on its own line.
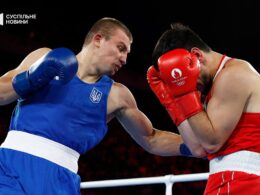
x=179, y=36
x=106, y=27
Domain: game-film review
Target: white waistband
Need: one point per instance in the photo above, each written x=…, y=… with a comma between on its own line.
x=245, y=161
x=42, y=147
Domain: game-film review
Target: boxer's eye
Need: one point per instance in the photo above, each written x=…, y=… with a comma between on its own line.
x=121, y=48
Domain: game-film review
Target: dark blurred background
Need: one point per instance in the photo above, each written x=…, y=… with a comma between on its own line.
x=229, y=27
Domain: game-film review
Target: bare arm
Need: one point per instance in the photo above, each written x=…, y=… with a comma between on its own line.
x=155, y=141
x=7, y=93
x=191, y=140
x=224, y=110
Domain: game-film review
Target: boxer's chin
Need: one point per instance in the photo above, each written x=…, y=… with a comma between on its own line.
x=110, y=72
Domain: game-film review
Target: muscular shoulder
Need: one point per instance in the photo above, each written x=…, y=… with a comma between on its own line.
x=36, y=54
x=235, y=68
x=32, y=57
x=237, y=71
x=121, y=96
x=40, y=51
x=28, y=61
x=235, y=79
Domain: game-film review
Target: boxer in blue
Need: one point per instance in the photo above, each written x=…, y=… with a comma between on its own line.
x=64, y=102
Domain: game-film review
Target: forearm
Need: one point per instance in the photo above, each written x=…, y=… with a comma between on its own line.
x=165, y=143
x=191, y=140
x=205, y=132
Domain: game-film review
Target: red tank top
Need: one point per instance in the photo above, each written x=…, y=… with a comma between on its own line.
x=245, y=136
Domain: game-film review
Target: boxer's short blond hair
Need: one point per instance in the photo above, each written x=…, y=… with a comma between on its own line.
x=106, y=27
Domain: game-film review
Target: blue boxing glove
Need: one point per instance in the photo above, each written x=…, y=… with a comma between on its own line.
x=60, y=63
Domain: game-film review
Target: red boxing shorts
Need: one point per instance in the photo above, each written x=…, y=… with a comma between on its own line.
x=237, y=173
x=233, y=182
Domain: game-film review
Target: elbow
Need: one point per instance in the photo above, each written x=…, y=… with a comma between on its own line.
x=198, y=152
x=3, y=94
x=203, y=149
x=213, y=145
x=148, y=147
x=212, y=148
x=5, y=99
x=2, y=99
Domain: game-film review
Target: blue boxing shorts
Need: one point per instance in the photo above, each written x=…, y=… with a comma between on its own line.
x=33, y=165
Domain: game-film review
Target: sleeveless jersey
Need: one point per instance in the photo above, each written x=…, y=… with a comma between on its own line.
x=73, y=114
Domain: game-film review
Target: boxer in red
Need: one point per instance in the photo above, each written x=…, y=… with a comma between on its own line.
x=228, y=125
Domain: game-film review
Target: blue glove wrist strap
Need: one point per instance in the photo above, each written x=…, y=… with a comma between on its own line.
x=184, y=150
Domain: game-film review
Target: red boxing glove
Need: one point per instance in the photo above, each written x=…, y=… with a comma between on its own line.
x=180, y=70
x=163, y=94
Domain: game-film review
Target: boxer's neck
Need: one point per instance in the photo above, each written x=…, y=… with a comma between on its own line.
x=212, y=60
x=86, y=70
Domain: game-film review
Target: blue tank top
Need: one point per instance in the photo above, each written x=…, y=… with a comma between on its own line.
x=73, y=114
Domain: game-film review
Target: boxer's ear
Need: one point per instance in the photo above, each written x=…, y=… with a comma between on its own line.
x=199, y=53
x=97, y=39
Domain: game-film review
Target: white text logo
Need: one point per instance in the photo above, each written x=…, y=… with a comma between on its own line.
x=9, y=19
x=1, y=19
x=176, y=73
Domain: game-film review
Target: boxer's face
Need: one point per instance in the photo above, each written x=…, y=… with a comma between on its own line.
x=112, y=53
x=204, y=81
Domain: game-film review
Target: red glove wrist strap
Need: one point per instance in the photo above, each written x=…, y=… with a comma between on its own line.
x=176, y=115
x=189, y=104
